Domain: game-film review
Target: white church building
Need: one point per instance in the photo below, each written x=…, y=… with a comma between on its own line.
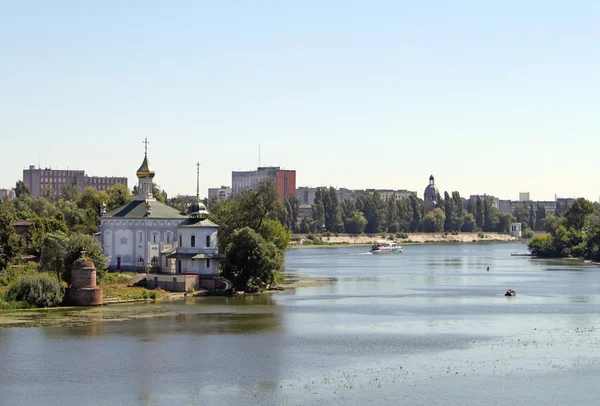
x=178, y=251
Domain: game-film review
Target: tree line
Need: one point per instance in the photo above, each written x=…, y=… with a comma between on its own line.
x=573, y=233
x=372, y=214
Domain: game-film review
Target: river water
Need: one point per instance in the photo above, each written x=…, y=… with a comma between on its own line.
x=429, y=326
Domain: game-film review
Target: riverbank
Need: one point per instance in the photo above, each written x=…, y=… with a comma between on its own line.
x=412, y=238
x=124, y=301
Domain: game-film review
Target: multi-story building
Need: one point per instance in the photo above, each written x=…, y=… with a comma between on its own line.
x=306, y=195
x=38, y=180
x=285, y=180
x=7, y=194
x=222, y=193
x=524, y=197
x=509, y=206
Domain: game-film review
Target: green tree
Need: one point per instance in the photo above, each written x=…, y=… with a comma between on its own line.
x=59, y=253
x=540, y=216
x=479, y=213
x=416, y=206
x=70, y=192
x=521, y=213
x=434, y=221
x=504, y=221
x=552, y=223
x=118, y=195
x=305, y=226
x=468, y=223
x=490, y=215
x=356, y=223
x=21, y=189
x=579, y=213
x=9, y=240
x=252, y=262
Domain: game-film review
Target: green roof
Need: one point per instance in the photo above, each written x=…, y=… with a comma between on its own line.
x=137, y=209
x=195, y=222
x=185, y=255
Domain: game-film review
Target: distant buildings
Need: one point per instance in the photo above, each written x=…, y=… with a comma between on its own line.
x=38, y=180
x=524, y=197
x=222, y=193
x=285, y=180
x=7, y=194
x=508, y=206
x=306, y=195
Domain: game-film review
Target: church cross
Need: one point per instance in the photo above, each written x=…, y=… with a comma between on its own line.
x=146, y=146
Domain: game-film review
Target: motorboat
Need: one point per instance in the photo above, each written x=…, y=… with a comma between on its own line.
x=386, y=247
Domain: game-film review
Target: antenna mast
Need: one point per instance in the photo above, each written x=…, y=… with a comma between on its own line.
x=198, y=180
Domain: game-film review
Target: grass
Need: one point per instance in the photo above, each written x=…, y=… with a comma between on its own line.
x=119, y=286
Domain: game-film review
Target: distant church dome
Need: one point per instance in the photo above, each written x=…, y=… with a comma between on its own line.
x=431, y=191
x=146, y=170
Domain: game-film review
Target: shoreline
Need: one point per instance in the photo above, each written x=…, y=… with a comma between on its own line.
x=344, y=240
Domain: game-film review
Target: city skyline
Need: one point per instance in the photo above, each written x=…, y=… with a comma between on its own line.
x=494, y=99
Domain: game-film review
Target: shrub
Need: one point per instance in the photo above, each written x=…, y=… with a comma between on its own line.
x=528, y=233
x=402, y=235
x=40, y=290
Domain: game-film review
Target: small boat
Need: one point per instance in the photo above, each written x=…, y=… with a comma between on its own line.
x=510, y=292
x=386, y=247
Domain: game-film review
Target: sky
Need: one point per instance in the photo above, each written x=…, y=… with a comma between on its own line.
x=489, y=97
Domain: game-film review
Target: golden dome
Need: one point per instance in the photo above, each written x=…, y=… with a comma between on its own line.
x=145, y=170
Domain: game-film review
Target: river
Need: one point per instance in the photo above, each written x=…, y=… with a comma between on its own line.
x=430, y=326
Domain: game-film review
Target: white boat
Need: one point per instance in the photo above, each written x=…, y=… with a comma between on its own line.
x=386, y=247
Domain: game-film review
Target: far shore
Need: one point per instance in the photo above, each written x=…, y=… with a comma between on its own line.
x=319, y=240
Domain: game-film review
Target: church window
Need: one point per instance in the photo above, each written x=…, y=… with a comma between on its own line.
x=180, y=241
x=207, y=241
x=140, y=261
x=208, y=263
x=193, y=241
x=154, y=261
x=153, y=237
x=168, y=237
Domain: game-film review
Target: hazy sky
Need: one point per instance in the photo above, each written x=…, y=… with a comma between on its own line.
x=490, y=97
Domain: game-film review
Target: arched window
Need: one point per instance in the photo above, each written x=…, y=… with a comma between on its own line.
x=168, y=237
x=207, y=241
x=140, y=261
x=193, y=241
x=180, y=241
x=208, y=263
x=154, y=237
x=154, y=261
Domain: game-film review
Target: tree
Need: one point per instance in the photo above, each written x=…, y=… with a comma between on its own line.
x=60, y=252
x=70, y=192
x=118, y=195
x=479, y=213
x=251, y=208
x=374, y=212
x=540, y=216
x=21, y=189
x=416, y=206
x=468, y=223
x=552, y=223
x=252, y=262
x=9, y=240
x=434, y=221
x=504, y=221
x=305, y=226
x=579, y=213
x=292, y=210
x=521, y=213
x=490, y=214
x=356, y=223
